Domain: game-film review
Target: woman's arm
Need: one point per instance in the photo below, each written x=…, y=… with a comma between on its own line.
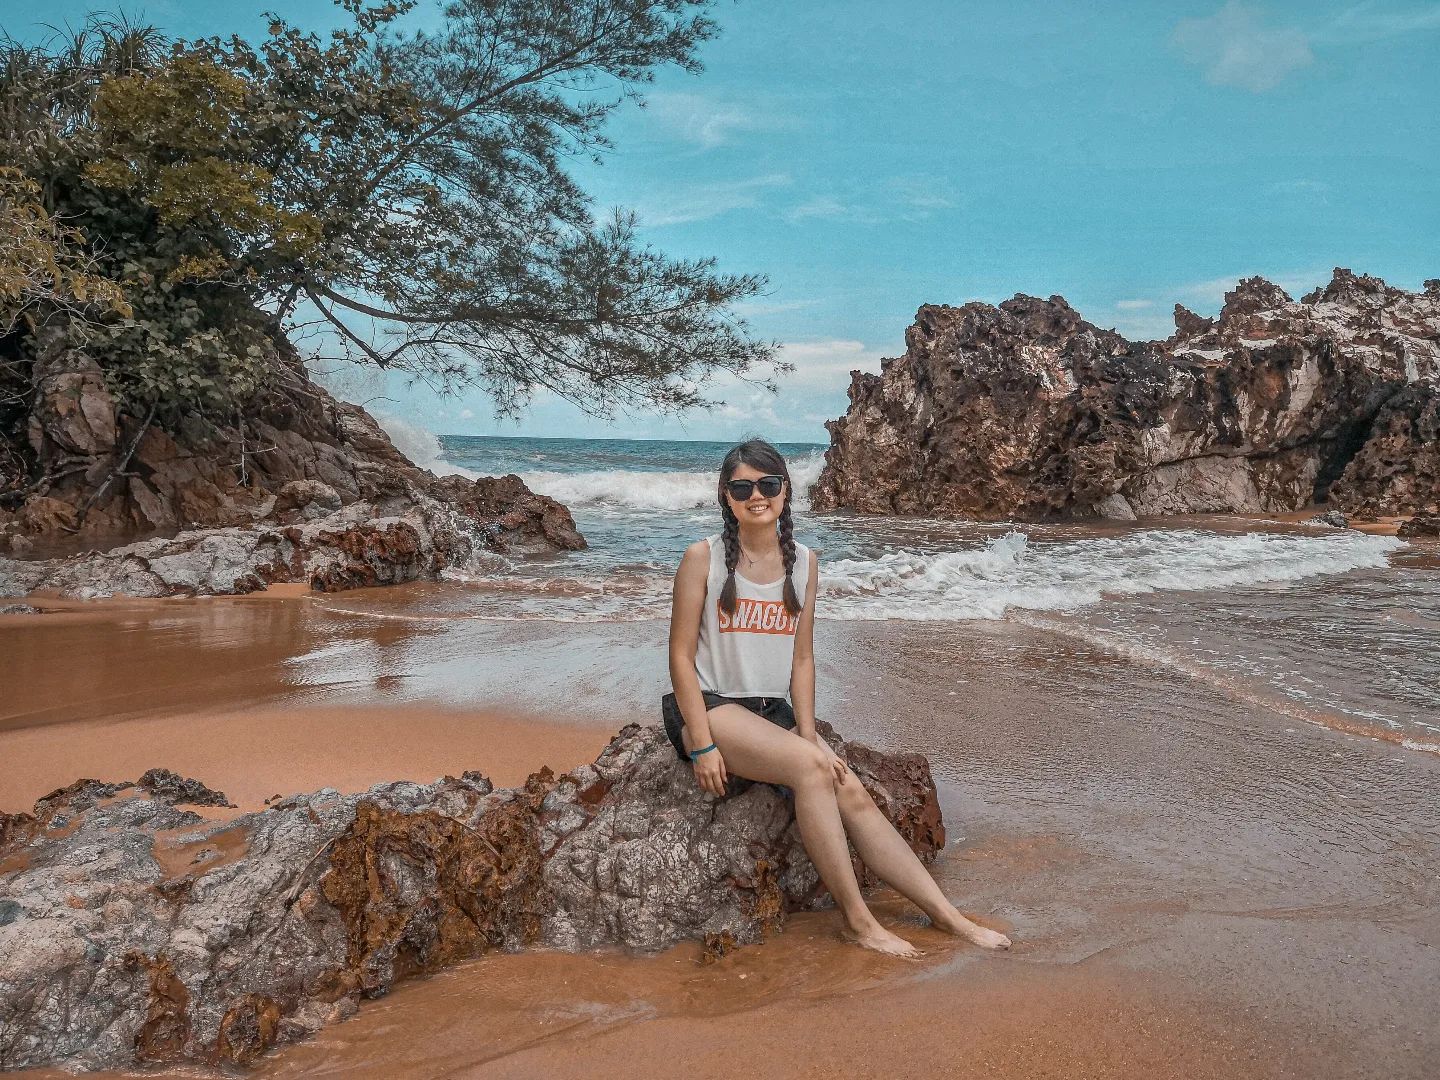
x=685, y=605
x=802, y=672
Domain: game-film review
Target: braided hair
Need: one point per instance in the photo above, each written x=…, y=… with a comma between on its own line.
x=758, y=454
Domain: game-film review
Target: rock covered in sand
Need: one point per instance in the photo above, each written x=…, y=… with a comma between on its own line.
x=133, y=932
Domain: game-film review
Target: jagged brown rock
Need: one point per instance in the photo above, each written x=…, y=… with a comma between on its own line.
x=309, y=490
x=1026, y=409
x=1424, y=523
x=305, y=489
x=134, y=932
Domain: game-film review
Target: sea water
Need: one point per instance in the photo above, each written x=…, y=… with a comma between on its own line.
x=1310, y=620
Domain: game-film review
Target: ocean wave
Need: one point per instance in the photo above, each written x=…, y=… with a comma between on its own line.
x=421, y=447
x=1011, y=572
x=1008, y=574
x=643, y=490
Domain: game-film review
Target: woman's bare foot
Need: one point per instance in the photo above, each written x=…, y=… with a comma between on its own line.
x=983, y=936
x=882, y=941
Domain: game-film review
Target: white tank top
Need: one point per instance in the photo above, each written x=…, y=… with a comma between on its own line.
x=748, y=654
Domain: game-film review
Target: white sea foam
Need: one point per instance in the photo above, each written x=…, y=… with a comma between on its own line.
x=988, y=580
x=637, y=490
x=1010, y=572
x=420, y=446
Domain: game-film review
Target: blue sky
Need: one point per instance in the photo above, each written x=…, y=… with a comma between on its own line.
x=871, y=158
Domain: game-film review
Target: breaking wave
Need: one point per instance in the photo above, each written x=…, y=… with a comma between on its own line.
x=637, y=489
x=1011, y=572
x=421, y=447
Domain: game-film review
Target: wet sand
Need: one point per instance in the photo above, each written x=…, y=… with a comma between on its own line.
x=255, y=754
x=1196, y=885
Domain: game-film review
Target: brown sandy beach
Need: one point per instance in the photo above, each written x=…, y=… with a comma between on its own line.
x=1196, y=885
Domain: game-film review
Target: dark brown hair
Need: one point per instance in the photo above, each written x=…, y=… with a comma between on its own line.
x=758, y=454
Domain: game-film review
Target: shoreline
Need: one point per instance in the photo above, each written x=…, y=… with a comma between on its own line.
x=1179, y=868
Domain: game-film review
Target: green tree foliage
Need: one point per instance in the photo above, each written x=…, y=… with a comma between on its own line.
x=174, y=344
x=44, y=265
x=408, y=190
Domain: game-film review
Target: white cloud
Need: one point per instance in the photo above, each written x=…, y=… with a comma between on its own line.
x=1133, y=305
x=1371, y=22
x=821, y=206
x=1234, y=48
x=826, y=364
x=898, y=198
x=702, y=201
x=923, y=193
x=1146, y=326
x=752, y=308
x=1211, y=293
x=708, y=122
x=758, y=409
x=1308, y=191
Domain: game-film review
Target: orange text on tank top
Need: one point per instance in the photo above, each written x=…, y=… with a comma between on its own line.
x=756, y=617
x=750, y=653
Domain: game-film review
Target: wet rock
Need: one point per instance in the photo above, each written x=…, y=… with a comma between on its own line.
x=248, y=1028
x=312, y=498
x=108, y=960
x=73, y=412
x=174, y=788
x=1397, y=467
x=306, y=488
x=1334, y=518
x=1423, y=524
x=46, y=516
x=401, y=538
x=1025, y=409
x=166, y=1031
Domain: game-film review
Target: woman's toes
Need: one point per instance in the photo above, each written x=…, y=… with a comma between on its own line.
x=975, y=933
x=882, y=941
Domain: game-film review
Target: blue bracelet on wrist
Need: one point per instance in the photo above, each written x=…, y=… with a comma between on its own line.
x=696, y=753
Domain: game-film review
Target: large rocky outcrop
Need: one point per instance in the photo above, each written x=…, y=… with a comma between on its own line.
x=1027, y=409
x=304, y=489
x=133, y=932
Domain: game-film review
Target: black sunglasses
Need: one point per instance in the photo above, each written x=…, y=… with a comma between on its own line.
x=769, y=486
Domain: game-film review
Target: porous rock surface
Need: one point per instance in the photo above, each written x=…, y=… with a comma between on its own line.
x=306, y=489
x=133, y=932
x=1027, y=409
x=1425, y=523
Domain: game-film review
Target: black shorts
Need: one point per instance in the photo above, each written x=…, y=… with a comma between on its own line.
x=775, y=709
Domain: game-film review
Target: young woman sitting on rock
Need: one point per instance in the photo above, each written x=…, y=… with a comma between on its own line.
x=741, y=650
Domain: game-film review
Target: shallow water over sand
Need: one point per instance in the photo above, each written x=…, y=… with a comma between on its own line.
x=1197, y=883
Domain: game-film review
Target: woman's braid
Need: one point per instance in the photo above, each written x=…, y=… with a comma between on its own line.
x=758, y=454
x=787, y=553
x=731, y=537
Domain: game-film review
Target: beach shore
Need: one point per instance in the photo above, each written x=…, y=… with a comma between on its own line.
x=1196, y=885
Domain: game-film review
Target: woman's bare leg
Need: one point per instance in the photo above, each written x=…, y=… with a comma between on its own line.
x=890, y=858
x=753, y=747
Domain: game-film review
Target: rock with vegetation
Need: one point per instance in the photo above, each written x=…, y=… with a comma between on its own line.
x=307, y=489
x=133, y=932
x=176, y=216
x=1026, y=409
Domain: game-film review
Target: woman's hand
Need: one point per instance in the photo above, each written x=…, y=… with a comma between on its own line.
x=841, y=769
x=710, y=772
